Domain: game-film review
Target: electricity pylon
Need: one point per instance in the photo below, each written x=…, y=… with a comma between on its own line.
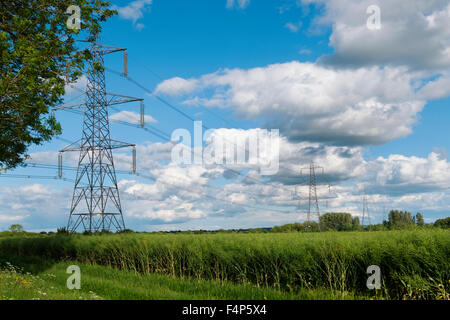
x=365, y=208
x=96, y=202
x=313, y=203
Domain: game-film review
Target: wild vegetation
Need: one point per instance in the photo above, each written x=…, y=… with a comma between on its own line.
x=292, y=260
x=414, y=263
x=103, y=283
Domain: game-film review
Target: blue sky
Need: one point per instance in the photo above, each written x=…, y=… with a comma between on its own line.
x=358, y=102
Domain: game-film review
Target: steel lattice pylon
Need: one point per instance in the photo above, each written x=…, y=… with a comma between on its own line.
x=96, y=202
x=313, y=202
x=365, y=214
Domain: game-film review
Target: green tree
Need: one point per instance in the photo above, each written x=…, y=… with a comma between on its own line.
x=62, y=230
x=400, y=219
x=310, y=226
x=443, y=223
x=16, y=228
x=38, y=51
x=355, y=224
x=419, y=219
x=338, y=221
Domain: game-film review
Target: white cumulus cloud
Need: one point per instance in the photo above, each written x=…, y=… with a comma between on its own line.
x=415, y=33
x=134, y=11
x=240, y=4
x=307, y=101
x=131, y=117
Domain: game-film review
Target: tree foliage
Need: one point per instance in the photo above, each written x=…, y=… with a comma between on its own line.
x=38, y=52
x=301, y=227
x=356, y=224
x=419, y=219
x=443, y=223
x=16, y=228
x=400, y=219
x=338, y=221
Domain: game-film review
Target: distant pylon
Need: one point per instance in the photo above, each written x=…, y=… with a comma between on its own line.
x=366, y=214
x=299, y=200
x=313, y=203
x=96, y=203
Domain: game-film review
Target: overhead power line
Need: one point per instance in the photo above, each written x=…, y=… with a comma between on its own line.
x=129, y=172
x=167, y=139
x=149, y=177
x=30, y=176
x=144, y=176
x=150, y=92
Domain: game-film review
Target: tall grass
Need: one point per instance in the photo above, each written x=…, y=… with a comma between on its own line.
x=100, y=282
x=414, y=264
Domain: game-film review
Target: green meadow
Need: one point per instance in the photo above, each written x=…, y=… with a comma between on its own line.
x=105, y=283
x=293, y=265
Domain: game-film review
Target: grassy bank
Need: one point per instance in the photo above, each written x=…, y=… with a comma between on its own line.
x=103, y=283
x=414, y=264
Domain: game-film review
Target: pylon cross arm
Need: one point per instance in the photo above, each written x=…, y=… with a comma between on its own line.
x=120, y=99
x=104, y=49
x=76, y=146
x=113, y=99
x=71, y=107
x=115, y=144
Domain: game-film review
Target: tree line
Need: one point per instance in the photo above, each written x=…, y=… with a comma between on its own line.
x=332, y=221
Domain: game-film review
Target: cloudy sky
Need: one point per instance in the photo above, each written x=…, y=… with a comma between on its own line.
x=367, y=102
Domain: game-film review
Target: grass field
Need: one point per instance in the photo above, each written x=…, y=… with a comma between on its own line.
x=328, y=265
x=102, y=283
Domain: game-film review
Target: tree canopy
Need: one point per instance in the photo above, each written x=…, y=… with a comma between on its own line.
x=419, y=219
x=16, y=228
x=38, y=52
x=338, y=221
x=443, y=223
x=404, y=219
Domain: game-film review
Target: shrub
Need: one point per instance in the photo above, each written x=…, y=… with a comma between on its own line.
x=16, y=228
x=62, y=230
x=337, y=221
x=442, y=223
x=337, y=261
